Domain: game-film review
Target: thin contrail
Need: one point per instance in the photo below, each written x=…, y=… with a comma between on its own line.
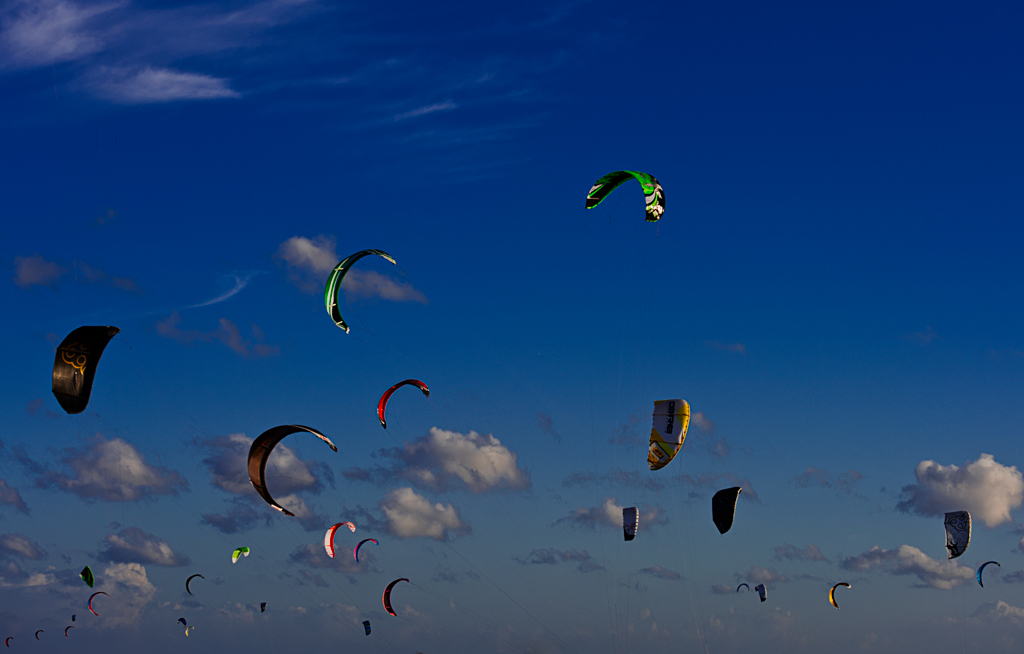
x=240, y=283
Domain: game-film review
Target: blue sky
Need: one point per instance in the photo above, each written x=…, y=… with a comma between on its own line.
x=834, y=288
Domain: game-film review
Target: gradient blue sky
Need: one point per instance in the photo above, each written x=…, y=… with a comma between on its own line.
x=835, y=289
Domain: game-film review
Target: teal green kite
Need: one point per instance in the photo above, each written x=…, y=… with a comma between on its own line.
x=653, y=193
x=334, y=283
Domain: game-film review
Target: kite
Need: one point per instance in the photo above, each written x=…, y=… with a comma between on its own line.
x=41, y=631
x=654, y=195
x=723, y=508
x=387, y=595
x=630, y=522
x=74, y=366
x=87, y=576
x=366, y=626
x=67, y=630
x=263, y=607
x=355, y=552
x=382, y=404
x=334, y=283
x=832, y=593
x=329, y=536
x=762, y=591
x=189, y=628
x=187, y=581
x=73, y=616
x=182, y=622
x=982, y=568
x=239, y=552
x=958, y=532
x=671, y=418
x=741, y=586
x=7, y=641
x=90, y=602
x=260, y=452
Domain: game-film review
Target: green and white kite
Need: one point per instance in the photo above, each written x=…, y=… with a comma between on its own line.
x=653, y=193
x=334, y=283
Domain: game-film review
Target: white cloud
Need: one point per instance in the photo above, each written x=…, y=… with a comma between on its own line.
x=427, y=109
x=308, y=262
x=985, y=488
x=112, y=470
x=610, y=514
x=12, y=497
x=150, y=85
x=45, y=32
x=36, y=271
x=999, y=611
x=702, y=422
x=759, y=575
x=908, y=560
x=132, y=545
x=480, y=462
x=411, y=515
x=130, y=585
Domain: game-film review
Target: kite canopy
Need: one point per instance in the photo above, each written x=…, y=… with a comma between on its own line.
x=182, y=622
x=982, y=568
x=7, y=641
x=260, y=452
x=723, y=508
x=41, y=631
x=671, y=419
x=329, y=536
x=630, y=522
x=366, y=626
x=67, y=630
x=74, y=366
x=382, y=404
x=189, y=628
x=958, y=532
x=761, y=591
x=355, y=552
x=387, y=595
x=263, y=607
x=654, y=195
x=239, y=551
x=93, y=596
x=189, y=580
x=87, y=576
x=832, y=593
x=741, y=586
x=334, y=283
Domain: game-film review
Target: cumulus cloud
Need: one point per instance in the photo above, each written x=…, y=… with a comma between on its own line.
x=44, y=32
x=127, y=582
x=548, y=556
x=36, y=271
x=410, y=515
x=11, y=497
x=999, y=611
x=111, y=470
x=843, y=482
x=21, y=545
x=759, y=575
x=150, y=85
x=443, y=458
x=989, y=490
x=659, y=572
x=132, y=545
x=308, y=261
x=793, y=553
x=610, y=514
x=228, y=334
x=908, y=560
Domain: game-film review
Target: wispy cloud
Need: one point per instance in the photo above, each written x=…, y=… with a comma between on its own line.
x=44, y=32
x=241, y=281
x=843, y=482
x=35, y=270
x=735, y=348
x=908, y=560
x=549, y=556
x=150, y=85
x=429, y=109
